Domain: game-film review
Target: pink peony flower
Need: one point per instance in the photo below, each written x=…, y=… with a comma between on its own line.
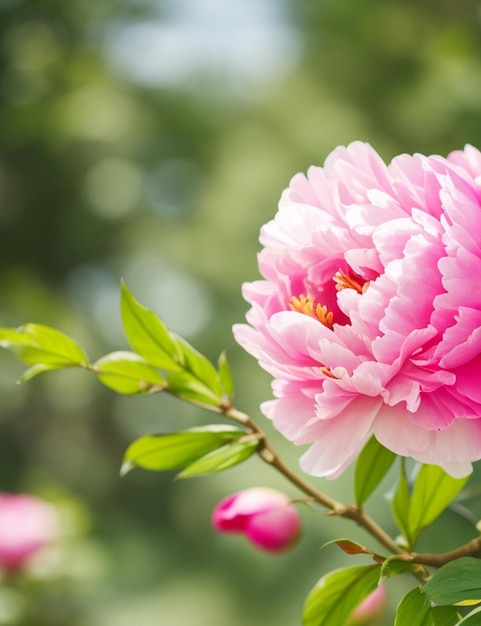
x=27, y=524
x=369, y=313
x=265, y=516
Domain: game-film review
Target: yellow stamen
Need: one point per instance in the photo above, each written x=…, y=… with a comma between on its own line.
x=346, y=282
x=305, y=304
x=324, y=316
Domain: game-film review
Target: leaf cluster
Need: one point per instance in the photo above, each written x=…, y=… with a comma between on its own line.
x=415, y=506
x=159, y=360
x=437, y=603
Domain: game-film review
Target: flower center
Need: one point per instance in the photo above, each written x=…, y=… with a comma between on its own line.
x=306, y=304
x=320, y=312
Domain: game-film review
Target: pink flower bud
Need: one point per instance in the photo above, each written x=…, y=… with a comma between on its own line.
x=265, y=516
x=27, y=524
x=371, y=609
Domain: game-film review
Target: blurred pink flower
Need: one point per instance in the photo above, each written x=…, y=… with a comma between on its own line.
x=265, y=516
x=27, y=524
x=371, y=609
x=369, y=314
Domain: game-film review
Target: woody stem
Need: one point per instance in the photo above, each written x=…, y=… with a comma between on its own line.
x=352, y=512
x=471, y=548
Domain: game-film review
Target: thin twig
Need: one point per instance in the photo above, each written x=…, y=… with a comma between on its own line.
x=471, y=548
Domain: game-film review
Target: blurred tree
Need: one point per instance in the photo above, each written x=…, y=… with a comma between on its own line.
x=412, y=68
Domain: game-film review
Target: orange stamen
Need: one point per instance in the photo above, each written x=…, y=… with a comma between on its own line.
x=324, y=316
x=347, y=282
x=327, y=372
x=305, y=304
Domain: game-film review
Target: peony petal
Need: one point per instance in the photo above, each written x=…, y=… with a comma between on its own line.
x=290, y=414
x=395, y=431
x=341, y=439
x=461, y=342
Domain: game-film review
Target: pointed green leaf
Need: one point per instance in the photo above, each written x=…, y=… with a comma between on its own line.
x=199, y=367
x=338, y=593
x=432, y=492
x=176, y=450
x=372, y=465
x=188, y=387
x=33, y=371
x=221, y=459
x=457, y=582
x=394, y=566
x=193, y=377
x=13, y=337
x=147, y=334
x=42, y=347
x=415, y=610
x=401, y=503
x=225, y=376
x=472, y=619
x=128, y=373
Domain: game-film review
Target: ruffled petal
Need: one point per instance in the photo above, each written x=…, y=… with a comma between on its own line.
x=339, y=440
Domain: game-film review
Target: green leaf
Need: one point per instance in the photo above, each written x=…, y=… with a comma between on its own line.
x=199, y=367
x=338, y=593
x=457, y=582
x=33, y=371
x=401, y=503
x=189, y=388
x=42, y=347
x=444, y=616
x=147, y=334
x=394, y=566
x=472, y=619
x=225, y=376
x=371, y=467
x=432, y=492
x=414, y=610
x=193, y=377
x=176, y=450
x=128, y=373
x=221, y=459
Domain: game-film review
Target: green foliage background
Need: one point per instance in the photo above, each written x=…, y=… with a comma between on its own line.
x=167, y=185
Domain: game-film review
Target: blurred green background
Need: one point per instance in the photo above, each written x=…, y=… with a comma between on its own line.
x=150, y=140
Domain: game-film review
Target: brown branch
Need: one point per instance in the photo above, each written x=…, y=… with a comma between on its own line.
x=471, y=548
x=352, y=512
x=268, y=455
x=355, y=513
x=365, y=521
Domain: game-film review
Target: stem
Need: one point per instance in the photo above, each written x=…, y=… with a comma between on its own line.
x=268, y=455
x=372, y=527
x=436, y=560
x=352, y=512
